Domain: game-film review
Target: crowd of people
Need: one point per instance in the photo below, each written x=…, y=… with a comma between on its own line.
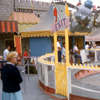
x=62, y=52
x=92, y=46
x=90, y=51
x=10, y=74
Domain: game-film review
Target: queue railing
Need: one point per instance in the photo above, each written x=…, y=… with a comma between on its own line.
x=62, y=74
x=46, y=66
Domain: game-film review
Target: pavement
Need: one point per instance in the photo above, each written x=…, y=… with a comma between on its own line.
x=33, y=91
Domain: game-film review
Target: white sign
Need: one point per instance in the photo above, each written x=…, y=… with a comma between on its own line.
x=62, y=23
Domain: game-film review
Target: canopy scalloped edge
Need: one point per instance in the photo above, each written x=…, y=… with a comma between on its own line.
x=48, y=34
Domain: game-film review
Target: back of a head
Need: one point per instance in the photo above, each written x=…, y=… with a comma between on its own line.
x=58, y=39
x=14, y=49
x=76, y=43
x=11, y=55
x=8, y=46
x=26, y=50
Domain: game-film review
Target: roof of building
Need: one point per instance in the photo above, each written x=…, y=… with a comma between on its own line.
x=8, y=27
x=24, y=18
x=44, y=27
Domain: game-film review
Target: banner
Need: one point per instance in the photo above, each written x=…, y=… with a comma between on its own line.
x=17, y=44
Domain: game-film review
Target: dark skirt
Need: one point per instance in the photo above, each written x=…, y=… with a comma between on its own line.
x=59, y=56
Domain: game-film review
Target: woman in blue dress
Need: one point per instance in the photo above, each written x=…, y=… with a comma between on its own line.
x=11, y=79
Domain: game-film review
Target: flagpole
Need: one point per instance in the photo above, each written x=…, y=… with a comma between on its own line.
x=55, y=45
x=56, y=53
x=67, y=46
x=67, y=49
x=55, y=39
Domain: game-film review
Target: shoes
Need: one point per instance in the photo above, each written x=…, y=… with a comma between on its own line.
x=82, y=63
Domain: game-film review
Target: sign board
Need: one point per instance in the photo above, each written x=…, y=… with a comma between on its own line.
x=62, y=23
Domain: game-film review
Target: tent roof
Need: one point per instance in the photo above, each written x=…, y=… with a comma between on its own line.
x=44, y=27
x=24, y=18
x=45, y=24
x=95, y=36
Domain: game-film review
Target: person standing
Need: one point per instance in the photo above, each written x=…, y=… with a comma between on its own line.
x=25, y=54
x=15, y=50
x=59, y=50
x=26, y=59
x=11, y=79
x=5, y=53
x=86, y=46
x=64, y=52
x=76, y=55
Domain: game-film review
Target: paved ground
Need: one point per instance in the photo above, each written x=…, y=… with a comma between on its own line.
x=33, y=91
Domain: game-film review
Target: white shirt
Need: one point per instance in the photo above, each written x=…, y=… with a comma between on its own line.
x=63, y=51
x=5, y=53
x=58, y=45
x=86, y=46
x=10, y=63
x=75, y=48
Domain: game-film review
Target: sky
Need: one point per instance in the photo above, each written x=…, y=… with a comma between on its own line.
x=96, y=2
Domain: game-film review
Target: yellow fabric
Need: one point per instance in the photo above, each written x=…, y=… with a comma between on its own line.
x=48, y=34
x=23, y=27
x=67, y=10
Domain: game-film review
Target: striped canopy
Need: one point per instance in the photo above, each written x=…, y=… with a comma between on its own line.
x=8, y=27
x=24, y=18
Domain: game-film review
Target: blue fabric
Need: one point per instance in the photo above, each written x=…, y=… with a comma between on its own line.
x=88, y=4
x=59, y=56
x=40, y=46
x=76, y=58
x=12, y=96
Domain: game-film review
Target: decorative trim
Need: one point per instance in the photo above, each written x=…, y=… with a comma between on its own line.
x=84, y=73
x=46, y=89
x=49, y=91
x=74, y=97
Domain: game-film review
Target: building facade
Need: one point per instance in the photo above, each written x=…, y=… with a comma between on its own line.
x=8, y=6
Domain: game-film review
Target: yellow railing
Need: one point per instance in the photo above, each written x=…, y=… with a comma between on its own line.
x=61, y=79
x=42, y=59
x=61, y=73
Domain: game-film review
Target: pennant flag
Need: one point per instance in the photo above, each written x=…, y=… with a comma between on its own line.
x=55, y=14
x=67, y=10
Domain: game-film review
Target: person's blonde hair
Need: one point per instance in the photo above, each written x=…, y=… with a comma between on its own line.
x=11, y=55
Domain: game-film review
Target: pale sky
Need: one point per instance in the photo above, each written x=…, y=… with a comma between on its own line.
x=96, y=2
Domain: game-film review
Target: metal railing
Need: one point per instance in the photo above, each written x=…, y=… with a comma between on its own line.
x=46, y=66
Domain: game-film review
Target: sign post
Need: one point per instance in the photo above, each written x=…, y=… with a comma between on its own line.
x=67, y=47
x=55, y=45
x=57, y=26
